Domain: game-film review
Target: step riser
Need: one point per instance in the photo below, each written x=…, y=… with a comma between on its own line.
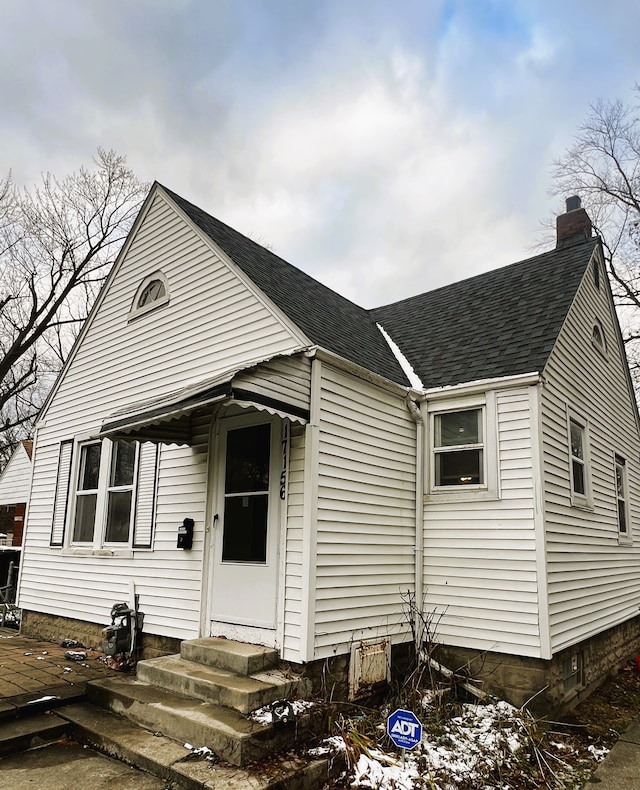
x=33, y=740
x=241, y=700
x=234, y=657
x=236, y=749
x=167, y=759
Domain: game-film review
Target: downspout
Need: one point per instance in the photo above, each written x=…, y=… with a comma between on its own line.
x=416, y=414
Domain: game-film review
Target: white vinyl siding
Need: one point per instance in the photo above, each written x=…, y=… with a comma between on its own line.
x=212, y=323
x=15, y=478
x=592, y=578
x=293, y=546
x=480, y=571
x=284, y=379
x=365, y=514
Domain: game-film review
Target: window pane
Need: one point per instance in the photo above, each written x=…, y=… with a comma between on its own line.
x=620, y=481
x=459, y=469
x=123, y=462
x=154, y=291
x=578, y=477
x=85, y=518
x=90, y=467
x=622, y=516
x=459, y=427
x=245, y=529
x=576, y=440
x=248, y=453
x=118, y=517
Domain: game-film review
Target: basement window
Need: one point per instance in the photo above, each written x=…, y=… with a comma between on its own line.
x=573, y=673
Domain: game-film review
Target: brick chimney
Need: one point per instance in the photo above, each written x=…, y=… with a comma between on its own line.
x=574, y=225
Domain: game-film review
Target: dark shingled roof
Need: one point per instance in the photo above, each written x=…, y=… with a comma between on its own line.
x=501, y=323
x=328, y=319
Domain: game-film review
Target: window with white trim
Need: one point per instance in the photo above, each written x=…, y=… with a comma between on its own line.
x=458, y=449
x=579, y=461
x=153, y=292
x=104, y=494
x=621, y=496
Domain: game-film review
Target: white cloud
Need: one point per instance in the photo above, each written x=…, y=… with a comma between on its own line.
x=385, y=149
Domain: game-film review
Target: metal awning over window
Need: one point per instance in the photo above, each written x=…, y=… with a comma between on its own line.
x=168, y=419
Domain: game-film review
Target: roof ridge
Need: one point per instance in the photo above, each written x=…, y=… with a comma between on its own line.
x=264, y=249
x=496, y=272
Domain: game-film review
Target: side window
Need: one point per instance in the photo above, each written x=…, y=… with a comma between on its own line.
x=579, y=452
x=458, y=448
x=107, y=497
x=120, y=492
x=87, y=493
x=621, y=496
x=104, y=492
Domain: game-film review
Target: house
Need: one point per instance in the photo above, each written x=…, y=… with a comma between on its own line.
x=14, y=491
x=474, y=450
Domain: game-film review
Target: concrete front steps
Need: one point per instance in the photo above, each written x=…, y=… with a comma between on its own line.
x=201, y=697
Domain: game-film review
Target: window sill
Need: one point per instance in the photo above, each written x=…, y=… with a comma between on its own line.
x=582, y=505
x=625, y=540
x=78, y=551
x=468, y=495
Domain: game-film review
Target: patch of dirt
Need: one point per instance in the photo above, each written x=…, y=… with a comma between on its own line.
x=607, y=713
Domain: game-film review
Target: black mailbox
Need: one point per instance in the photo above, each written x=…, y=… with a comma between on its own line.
x=185, y=534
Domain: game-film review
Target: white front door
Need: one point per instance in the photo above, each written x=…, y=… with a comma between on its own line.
x=246, y=525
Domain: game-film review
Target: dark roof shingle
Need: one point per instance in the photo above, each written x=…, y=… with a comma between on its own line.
x=328, y=319
x=501, y=323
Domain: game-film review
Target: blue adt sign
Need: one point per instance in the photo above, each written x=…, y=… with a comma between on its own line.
x=404, y=729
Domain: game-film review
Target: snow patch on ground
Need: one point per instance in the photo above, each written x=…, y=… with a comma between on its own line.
x=263, y=715
x=470, y=750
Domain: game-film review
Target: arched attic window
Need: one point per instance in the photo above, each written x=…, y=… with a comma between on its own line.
x=598, y=338
x=153, y=292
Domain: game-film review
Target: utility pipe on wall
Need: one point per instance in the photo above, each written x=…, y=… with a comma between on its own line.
x=416, y=414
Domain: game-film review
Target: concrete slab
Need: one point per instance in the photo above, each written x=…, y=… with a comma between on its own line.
x=18, y=735
x=244, y=659
x=619, y=771
x=62, y=766
x=632, y=734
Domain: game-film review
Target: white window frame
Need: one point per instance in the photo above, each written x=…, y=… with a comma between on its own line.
x=135, y=311
x=98, y=542
x=620, y=463
x=489, y=487
x=579, y=499
x=601, y=347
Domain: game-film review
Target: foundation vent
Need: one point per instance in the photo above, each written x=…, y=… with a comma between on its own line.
x=370, y=667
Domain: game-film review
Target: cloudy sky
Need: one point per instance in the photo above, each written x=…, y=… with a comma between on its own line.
x=386, y=148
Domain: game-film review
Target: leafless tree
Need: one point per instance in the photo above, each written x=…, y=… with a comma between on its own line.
x=57, y=244
x=603, y=168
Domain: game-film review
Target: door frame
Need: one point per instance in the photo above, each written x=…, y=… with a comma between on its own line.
x=280, y=432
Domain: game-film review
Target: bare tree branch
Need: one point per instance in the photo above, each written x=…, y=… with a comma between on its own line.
x=57, y=244
x=603, y=167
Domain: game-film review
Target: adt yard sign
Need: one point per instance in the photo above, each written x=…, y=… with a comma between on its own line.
x=404, y=729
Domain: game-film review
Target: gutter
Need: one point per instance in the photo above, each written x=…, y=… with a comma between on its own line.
x=416, y=414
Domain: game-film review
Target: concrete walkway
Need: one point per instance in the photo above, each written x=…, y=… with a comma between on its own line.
x=30, y=669
x=620, y=770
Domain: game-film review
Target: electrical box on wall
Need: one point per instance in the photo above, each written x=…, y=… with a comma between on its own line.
x=185, y=534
